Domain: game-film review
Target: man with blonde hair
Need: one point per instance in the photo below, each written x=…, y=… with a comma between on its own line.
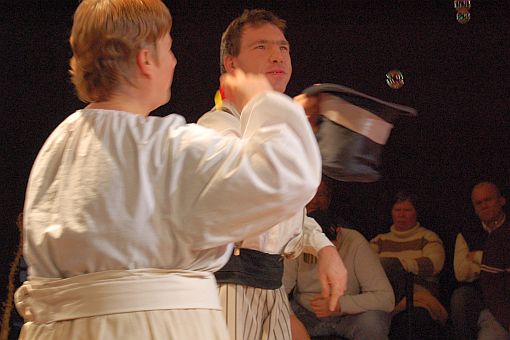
x=127, y=216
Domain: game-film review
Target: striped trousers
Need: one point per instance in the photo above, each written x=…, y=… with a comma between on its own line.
x=255, y=313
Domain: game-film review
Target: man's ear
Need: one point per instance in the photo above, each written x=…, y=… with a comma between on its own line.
x=229, y=62
x=502, y=200
x=144, y=61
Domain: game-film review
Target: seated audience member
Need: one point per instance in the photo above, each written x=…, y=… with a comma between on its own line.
x=411, y=248
x=363, y=312
x=466, y=301
x=494, y=320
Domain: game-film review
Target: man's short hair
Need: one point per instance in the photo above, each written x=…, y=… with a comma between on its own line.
x=231, y=38
x=487, y=183
x=105, y=38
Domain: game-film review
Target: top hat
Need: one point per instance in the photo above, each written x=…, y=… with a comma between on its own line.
x=353, y=130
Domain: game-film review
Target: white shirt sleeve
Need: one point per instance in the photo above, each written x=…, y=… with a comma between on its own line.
x=242, y=186
x=314, y=238
x=465, y=269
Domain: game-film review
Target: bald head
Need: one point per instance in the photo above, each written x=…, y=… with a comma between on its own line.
x=488, y=202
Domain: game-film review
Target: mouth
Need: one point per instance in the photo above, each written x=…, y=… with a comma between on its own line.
x=276, y=73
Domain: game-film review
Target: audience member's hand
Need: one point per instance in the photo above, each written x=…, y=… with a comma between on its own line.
x=332, y=275
x=320, y=307
x=240, y=87
x=475, y=256
x=410, y=265
x=311, y=106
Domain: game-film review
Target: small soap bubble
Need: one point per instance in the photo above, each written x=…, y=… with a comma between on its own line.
x=395, y=79
x=463, y=15
x=462, y=4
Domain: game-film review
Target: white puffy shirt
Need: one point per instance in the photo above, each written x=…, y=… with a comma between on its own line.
x=112, y=190
x=287, y=237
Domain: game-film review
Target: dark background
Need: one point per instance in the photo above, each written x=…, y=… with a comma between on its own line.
x=456, y=76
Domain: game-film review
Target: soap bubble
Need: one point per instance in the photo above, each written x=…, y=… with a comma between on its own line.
x=395, y=79
x=463, y=15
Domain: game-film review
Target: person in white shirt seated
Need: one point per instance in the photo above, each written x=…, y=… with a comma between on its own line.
x=364, y=311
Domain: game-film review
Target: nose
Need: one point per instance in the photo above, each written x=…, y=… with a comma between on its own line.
x=276, y=55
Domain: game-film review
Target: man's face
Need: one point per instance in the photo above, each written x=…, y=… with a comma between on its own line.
x=263, y=50
x=488, y=204
x=404, y=215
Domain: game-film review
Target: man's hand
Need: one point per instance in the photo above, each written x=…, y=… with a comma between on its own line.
x=240, y=87
x=332, y=275
x=311, y=106
x=475, y=256
x=320, y=307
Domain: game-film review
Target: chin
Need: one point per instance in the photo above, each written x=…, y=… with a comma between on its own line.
x=166, y=99
x=280, y=88
x=278, y=85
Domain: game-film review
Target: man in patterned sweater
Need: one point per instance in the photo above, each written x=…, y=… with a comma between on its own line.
x=419, y=251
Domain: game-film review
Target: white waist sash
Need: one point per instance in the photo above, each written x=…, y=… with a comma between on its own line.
x=45, y=300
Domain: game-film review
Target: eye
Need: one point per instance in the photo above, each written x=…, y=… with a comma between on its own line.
x=284, y=48
x=260, y=47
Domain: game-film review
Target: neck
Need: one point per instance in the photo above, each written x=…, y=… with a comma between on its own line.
x=404, y=233
x=120, y=105
x=125, y=98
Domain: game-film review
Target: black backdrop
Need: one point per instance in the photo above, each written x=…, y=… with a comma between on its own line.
x=456, y=76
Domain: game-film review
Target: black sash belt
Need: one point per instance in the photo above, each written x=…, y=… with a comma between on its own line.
x=252, y=268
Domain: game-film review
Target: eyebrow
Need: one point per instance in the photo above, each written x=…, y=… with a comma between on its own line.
x=265, y=41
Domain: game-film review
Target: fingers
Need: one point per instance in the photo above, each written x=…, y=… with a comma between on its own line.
x=320, y=306
x=332, y=276
x=228, y=82
x=336, y=292
x=239, y=87
x=324, y=286
x=316, y=299
x=331, y=292
x=310, y=105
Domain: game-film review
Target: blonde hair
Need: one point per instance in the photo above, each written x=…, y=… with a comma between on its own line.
x=8, y=305
x=105, y=38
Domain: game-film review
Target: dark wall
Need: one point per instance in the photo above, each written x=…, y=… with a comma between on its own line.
x=456, y=76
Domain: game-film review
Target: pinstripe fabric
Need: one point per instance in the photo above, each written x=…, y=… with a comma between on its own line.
x=255, y=313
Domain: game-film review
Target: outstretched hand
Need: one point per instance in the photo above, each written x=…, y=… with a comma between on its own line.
x=332, y=276
x=311, y=106
x=239, y=87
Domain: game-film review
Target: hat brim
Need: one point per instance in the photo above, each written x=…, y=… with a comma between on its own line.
x=386, y=110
